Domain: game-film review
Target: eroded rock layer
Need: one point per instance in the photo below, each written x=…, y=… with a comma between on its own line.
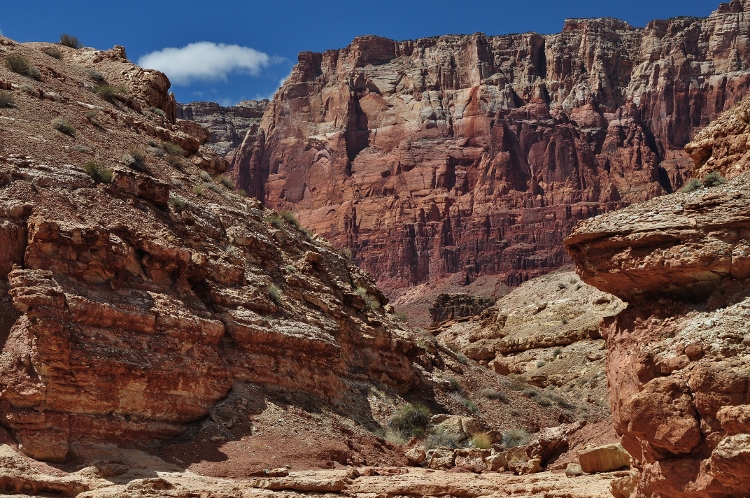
x=678, y=360
x=476, y=155
x=137, y=287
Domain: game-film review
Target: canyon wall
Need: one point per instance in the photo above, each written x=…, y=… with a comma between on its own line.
x=476, y=155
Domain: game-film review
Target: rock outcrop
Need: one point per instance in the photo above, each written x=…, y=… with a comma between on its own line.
x=448, y=306
x=132, y=299
x=677, y=360
x=228, y=125
x=476, y=155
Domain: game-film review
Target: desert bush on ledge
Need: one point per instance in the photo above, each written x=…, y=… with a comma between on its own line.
x=712, y=179
x=98, y=172
x=19, y=65
x=6, y=100
x=411, y=420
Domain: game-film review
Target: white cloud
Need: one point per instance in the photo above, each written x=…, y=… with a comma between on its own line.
x=206, y=61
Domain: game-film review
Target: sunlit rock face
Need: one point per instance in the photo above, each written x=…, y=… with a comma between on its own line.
x=475, y=155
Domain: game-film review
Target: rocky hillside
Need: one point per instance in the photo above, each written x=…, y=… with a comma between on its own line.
x=476, y=155
x=138, y=288
x=678, y=357
x=228, y=125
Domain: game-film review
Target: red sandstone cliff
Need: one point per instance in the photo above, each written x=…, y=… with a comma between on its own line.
x=476, y=155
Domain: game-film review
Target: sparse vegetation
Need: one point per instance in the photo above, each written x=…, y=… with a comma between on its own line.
x=91, y=116
x=401, y=316
x=18, y=64
x=214, y=188
x=98, y=172
x=469, y=404
x=440, y=439
x=81, y=148
x=515, y=437
x=157, y=151
x=712, y=179
x=70, y=41
x=227, y=182
x=178, y=183
x=174, y=161
x=53, y=52
x=205, y=176
x=455, y=384
x=275, y=294
x=199, y=188
x=159, y=112
x=290, y=268
x=290, y=217
x=177, y=202
x=111, y=93
x=556, y=352
x=370, y=301
x=63, y=126
x=95, y=75
x=493, y=394
x=173, y=149
x=411, y=420
x=345, y=252
x=7, y=100
x=481, y=440
x=29, y=90
x=134, y=159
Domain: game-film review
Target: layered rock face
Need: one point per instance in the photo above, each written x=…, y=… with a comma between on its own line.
x=228, y=125
x=476, y=155
x=131, y=304
x=678, y=361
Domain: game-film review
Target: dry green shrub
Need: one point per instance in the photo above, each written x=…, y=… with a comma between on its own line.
x=411, y=420
x=70, y=41
x=63, y=126
x=98, y=172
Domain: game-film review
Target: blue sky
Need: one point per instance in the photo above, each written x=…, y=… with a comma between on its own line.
x=251, y=46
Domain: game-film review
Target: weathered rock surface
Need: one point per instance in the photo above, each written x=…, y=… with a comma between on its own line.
x=138, y=304
x=476, y=155
x=678, y=356
x=448, y=306
x=228, y=125
x=603, y=458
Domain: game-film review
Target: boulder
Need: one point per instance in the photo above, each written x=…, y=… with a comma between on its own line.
x=604, y=458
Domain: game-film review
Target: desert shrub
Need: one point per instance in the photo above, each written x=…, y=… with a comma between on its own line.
x=493, y=394
x=469, y=404
x=713, y=179
x=95, y=75
x=290, y=268
x=157, y=151
x=91, y=116
x=275, y=294
x=345, y=252
x=290, y=217
x=515, y=437
x=557, y=352
x=172, y=148
x=174, y=161
x=98, y=172
x=178, y=183
x=411, y=420
x=370, y=301
x=441, y=439
x=134, y=159
x=691, y=186
x=111, y=93
x=81, y=148
x=214, y=188
x=63, y=126
x=531, y=393
x=205, y=176
x=177, y=202
x=159, y=112
x=199, y=188
x=53, y=52
x=227, y=182
x=70, y=41
x=540, y=363
x=29, y=90
x=7, y=100
x=401, y=316
x=481, y=440
x=17, y=64
x=544, y=402
x=454, y=384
